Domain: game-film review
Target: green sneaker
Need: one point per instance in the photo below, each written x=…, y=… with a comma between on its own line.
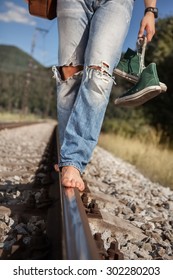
x=132, y=64
x=147, y=87
x=129, y=66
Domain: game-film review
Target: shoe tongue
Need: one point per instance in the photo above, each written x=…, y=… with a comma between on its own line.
x=129, y=53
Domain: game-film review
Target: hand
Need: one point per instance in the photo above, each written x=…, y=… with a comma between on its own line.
x=148, y=25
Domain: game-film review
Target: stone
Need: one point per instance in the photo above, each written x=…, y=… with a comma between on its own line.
x=5, y=210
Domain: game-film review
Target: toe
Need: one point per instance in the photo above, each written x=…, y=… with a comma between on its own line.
x=66, y=182
x=56, y=167
x=73, y=183
x=78, y=185
x=82, y=187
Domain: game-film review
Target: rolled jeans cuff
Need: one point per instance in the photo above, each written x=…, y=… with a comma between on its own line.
x=70, y=164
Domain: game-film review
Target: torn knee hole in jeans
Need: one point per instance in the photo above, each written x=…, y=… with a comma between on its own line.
x=103, y=68
x=68, y=71
x=103, y=71
x=62, y=76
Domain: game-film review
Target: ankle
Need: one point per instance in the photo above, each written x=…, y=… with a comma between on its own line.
x=70, y=168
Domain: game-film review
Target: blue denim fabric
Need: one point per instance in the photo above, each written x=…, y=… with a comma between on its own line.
x=91, y=33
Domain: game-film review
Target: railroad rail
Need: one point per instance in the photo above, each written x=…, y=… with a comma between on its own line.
x=9, y=125
x=77, y=241
x=67, y=228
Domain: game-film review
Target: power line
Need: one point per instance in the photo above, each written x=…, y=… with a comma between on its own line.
x=30, y=67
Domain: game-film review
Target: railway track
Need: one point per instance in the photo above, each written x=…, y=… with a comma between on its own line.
x=10, y=125
x=39, y=218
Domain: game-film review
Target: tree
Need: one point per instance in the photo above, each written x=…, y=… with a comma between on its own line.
x=160, y=51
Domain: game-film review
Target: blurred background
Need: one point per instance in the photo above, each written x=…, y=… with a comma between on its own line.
x=29, y=49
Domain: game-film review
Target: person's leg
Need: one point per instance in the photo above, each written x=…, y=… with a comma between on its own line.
x=108, y=29
x=67, y=89
x=73, y=32
x=73, y=29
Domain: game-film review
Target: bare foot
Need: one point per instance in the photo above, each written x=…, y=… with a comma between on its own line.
x=71, y=178
x=56, y=167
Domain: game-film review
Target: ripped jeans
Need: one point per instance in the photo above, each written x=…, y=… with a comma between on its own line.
x=91, y=34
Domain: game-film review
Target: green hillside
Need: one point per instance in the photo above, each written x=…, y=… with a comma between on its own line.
x=25, y=85
x=14, y=59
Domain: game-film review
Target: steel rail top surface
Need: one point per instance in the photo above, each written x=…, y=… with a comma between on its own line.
x=77, y=240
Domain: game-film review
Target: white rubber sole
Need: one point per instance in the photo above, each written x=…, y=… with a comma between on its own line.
x=128, y=77
x=138, y=98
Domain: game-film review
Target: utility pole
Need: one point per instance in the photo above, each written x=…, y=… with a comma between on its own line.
x=29, y=71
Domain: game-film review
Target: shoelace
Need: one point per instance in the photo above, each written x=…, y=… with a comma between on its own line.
x=141, y=47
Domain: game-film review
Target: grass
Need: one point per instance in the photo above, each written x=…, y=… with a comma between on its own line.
x=18, y=117
x=153, y=161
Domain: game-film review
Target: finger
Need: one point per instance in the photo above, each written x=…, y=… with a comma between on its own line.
x=150, y=35
x=141, y=31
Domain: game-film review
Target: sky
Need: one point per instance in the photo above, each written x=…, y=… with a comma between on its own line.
x=39, y=37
